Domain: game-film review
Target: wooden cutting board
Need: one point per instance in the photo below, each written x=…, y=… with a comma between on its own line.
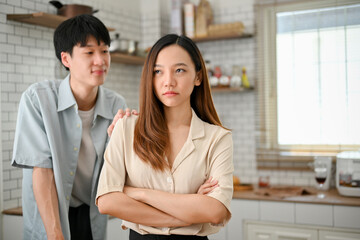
x=243, y=187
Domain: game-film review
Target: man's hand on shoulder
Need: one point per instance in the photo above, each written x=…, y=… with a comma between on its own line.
x=120, y=114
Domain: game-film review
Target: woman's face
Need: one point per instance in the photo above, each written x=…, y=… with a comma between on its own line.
x=174, y=76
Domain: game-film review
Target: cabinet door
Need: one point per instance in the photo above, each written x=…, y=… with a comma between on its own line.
x=241, y=210
x=221, y=235
x=114, y=230
x=332, y=235
x=12, y=227
x=278, y=232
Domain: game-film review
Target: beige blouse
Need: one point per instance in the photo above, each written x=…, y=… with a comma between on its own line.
x=208, y=151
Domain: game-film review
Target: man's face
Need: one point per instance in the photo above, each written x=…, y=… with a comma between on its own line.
x=88, y=64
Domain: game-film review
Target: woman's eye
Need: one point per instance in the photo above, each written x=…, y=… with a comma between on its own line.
x=157, y=71
x=106, y=51
x=89, y=53
x=180, y=70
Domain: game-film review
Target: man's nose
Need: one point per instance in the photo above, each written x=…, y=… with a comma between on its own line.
x=98, y=59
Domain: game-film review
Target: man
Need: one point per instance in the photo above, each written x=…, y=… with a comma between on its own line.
x=61, y=135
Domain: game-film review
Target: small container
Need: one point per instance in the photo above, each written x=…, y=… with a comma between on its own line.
x=235, y=81
x=217, y=72
x=214, y=81
x=264, y=181
x=224, y=81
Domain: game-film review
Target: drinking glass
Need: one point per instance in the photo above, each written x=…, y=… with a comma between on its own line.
x=320, y=169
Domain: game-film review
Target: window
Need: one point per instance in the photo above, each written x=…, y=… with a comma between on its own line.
x=309, y=79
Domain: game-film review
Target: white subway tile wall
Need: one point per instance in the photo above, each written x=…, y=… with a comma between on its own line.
x=27, y=56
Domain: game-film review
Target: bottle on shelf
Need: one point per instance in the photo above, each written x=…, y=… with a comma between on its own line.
x=244, y=79
x=235, y=81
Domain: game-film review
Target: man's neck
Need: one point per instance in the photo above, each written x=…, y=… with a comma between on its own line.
x=85, y=97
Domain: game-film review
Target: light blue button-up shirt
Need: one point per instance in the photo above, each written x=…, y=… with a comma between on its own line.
x=48, y=135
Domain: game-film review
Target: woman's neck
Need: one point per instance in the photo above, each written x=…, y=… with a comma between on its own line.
x=178, y=117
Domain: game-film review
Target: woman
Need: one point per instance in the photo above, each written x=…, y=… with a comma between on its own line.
x=155, y=163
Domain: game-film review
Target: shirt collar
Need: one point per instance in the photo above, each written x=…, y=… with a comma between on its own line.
x=67, y=100
x=102, y=107
x=197, y=129
x=66, y=97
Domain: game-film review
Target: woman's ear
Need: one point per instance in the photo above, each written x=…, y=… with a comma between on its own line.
x=198, y=78
x=65, y=59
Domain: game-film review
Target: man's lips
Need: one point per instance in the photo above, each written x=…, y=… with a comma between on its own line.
x=170, y=93
x=99, y=71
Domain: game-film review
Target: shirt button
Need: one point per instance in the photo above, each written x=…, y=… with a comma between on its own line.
x=71, y=173
x=78, y=125
x=169, y=180
x=75, y=148
x=67, y=198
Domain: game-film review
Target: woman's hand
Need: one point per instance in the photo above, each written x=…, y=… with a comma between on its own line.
x=208, y=186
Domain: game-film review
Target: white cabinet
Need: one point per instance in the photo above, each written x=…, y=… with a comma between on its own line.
x=338, y=235
x=347, y=217
x=292, y=221
x=114, y=230
x=277, y=211
x=262, y=231
x=259, y=230
x=221, y=235
x=314, y=214
x=12, y=227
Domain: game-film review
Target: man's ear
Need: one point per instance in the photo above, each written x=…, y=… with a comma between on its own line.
x=198, y=78
x=65, y=59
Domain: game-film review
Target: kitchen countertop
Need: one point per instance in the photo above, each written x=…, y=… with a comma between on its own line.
x=332, y=198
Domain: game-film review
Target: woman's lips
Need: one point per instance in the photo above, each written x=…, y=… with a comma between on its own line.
x=170, y=93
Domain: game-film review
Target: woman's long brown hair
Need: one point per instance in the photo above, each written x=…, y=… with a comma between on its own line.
x=151, y=133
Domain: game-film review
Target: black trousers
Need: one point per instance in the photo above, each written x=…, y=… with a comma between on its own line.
x=79, y=220
x=136, y=236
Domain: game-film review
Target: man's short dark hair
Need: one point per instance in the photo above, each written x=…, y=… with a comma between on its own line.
x=77, y=30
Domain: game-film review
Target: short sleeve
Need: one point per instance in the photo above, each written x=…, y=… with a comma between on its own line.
x=113, y=173
x=221, y=168
x=31, y=146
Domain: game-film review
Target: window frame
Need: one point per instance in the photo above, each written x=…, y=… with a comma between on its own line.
x=268, y=149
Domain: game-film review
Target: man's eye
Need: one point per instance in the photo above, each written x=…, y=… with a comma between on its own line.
x=180, y=70
x=89, y=52
x=106, y=51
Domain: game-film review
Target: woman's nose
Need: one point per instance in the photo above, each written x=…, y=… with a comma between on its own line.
x=169, y=79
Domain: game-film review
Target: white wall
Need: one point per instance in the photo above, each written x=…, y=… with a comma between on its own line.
x=1, y=182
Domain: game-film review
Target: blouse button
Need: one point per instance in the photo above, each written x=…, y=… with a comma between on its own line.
x=169, y=180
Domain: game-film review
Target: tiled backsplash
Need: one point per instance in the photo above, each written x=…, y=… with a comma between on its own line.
x=27, y=56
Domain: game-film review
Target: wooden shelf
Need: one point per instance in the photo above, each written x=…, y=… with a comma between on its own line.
x=127, y=59
x=222, y=37
x=230, y=89
x=40, y=19
x=52, y=21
